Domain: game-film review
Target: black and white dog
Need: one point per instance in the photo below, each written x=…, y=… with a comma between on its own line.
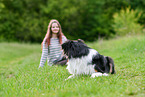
x=85, y=60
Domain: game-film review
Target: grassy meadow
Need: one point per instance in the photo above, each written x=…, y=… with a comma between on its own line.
x=20, y=76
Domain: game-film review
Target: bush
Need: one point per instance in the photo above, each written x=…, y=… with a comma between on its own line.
x=27, y=20
x=126, y=22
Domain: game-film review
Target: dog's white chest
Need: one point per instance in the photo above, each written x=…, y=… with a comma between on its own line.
x=78, y=66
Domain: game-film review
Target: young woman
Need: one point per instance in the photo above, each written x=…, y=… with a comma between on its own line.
x=51, y=45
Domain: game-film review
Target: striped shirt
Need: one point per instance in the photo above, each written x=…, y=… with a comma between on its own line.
x=51, y=53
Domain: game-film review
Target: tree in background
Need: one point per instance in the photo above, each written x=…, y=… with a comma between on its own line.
x=126, y=22
x=27, y=20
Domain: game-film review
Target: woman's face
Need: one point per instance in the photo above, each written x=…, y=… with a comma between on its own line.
x=55, y=28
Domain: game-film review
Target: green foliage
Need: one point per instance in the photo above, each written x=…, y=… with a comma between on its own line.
x=140, y=5
x=27, y=20
x=126, y=22
x=20, y=76
x=21, y=21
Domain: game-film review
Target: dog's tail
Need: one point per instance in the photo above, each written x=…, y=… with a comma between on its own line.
x=111, y=65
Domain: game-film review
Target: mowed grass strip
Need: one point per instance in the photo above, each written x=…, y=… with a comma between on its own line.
x=21, y=77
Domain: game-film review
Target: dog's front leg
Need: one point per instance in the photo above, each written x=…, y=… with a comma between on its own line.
x=70, y=77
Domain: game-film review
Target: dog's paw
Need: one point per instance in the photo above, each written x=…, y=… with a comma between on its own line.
x=98, y=74
x=105, y=74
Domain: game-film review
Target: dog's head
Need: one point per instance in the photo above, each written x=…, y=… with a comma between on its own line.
x=110, y=64
x=75, y=48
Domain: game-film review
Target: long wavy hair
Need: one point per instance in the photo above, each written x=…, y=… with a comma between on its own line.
x=49, y=34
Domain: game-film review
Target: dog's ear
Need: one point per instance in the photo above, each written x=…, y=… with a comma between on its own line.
x=80, y=40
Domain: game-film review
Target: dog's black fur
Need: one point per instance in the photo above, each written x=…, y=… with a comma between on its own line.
x=103, y=64
x=77, y=49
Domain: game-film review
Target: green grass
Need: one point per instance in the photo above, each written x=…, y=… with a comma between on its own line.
x=20, y=76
